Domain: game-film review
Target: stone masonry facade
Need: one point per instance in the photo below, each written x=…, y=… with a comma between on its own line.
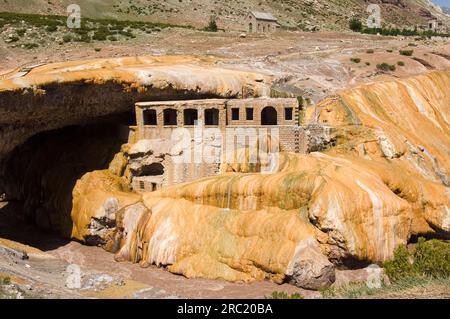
x=214, y=126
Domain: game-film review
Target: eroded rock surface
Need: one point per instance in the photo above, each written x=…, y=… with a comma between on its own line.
x=383, y=181
x=309, y=268
x=61, y=94
x=378, y=179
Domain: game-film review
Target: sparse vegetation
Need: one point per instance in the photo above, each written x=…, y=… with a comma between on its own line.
x=406, y=52
x=51, y=28
x=396, y=32
x=212, y=26
x=21, y=32
x=386, y=67
x=91, y=29
x=356, y=25
x=5, y=280
x=370, y=51
x=407, y=287
x=67, y=38
x=355, y=60
x=300, y=102
x=30, y=45
x=283, y=295
x=423, y=269
x=427, y=259
x=401, y=63
x=13, y=38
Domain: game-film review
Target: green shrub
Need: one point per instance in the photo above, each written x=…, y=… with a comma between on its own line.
x=283, y=295
x=127, y=33
x=13, y=38
x=406, y=52
x=355, y=25
x=400, y=266
x=5, y=281
x=355, y=60
x=427, y=259
x=67, y=38
x=389, y=50
x=212, y=26
x=386, y=67
x=370, y=51
x=367, y=63
x=99, y=36
x=30, y=45
x=83, y=38
x=113, y=38
x=412, y=44
x=21, y=32
x=432, y=258
x=300, y=101
x=409, y=287
x=401, y=63
x=51, y=28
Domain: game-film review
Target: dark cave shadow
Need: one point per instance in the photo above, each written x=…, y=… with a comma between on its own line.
x=41, y=173
x=14, y=228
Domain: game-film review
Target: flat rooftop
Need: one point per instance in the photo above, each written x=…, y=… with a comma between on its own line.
x=209, y=101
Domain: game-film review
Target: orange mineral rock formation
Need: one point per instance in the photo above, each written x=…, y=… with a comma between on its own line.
x=384, y=181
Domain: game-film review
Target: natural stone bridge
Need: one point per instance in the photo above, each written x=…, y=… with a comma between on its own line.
x=381, y=181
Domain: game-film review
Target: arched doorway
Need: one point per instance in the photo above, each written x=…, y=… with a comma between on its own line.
x=269, y=116
x=250, y=27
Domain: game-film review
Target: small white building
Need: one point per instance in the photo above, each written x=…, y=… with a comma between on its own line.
x=436, y=25
x=433, y=25
x=261, y=22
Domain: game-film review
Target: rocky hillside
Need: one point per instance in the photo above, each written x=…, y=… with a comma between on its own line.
x=305, y=14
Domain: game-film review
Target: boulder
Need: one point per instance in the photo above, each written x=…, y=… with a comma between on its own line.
x=309, y=268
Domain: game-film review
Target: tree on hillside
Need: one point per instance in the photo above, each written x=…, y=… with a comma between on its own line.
x=356, y=25
x=212, y=26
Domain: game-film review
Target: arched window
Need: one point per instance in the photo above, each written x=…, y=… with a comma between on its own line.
x=170, y=117
x=211, y=117
x=250, y=27
x=150, y=117
x=190, y=116
x=269, y=116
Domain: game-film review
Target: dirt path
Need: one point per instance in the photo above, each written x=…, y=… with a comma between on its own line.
x=162, y=283
x=44, y=271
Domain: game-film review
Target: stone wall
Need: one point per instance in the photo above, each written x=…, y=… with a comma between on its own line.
x=260, y=26
x=182, y=148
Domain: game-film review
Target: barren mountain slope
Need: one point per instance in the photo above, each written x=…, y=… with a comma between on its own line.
x=324, y=14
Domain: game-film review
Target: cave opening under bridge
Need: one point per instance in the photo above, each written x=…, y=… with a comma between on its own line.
x=38, y=177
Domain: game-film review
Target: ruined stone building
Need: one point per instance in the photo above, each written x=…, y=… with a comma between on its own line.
x=433, y=25
x=437, y=26
x=158, y=157
x=261, y=22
